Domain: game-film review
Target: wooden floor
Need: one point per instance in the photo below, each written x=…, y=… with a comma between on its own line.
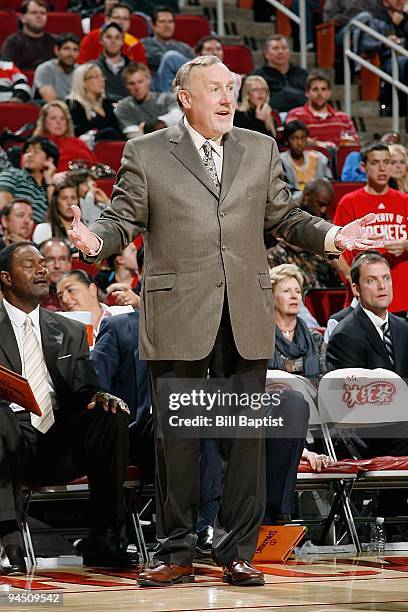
x=315, y=584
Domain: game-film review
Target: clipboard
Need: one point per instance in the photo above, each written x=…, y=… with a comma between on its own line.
x=16, y=389
x=276, y=542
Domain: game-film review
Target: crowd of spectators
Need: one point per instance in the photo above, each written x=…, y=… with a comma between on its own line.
x=110, y=85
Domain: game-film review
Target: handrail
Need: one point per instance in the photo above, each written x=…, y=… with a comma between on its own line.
x=300, y=20
x=393, y=79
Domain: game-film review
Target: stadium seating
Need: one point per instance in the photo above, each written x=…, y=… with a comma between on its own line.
x=57, y=23
x=110, y=152
x=324, y=302
x=341, y=156
x=8, y=24
x=138, y=26
x=79, y=489
x=190, y=28
x=13, y=115
x=106, y=184
x=238, y=58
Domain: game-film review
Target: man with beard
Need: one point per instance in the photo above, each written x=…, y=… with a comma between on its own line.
x=327, y=126
x=32, y=45
x=53, y=79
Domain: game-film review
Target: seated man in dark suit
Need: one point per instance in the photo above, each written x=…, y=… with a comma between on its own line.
x=121, y=372
x=371, y=337
x=81, y=431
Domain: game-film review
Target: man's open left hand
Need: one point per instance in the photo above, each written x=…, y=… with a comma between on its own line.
x=355, y=236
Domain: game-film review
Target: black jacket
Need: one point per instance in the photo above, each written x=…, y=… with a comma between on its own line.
x=287, y=90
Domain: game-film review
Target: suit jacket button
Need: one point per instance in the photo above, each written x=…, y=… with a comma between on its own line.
x=220, y=284
x=224, y=248
x=222, y=214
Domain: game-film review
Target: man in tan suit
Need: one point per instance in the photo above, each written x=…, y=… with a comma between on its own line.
x=203, y=192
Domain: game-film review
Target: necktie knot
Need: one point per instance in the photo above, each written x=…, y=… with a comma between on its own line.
x=28, y=324
x=210, y=164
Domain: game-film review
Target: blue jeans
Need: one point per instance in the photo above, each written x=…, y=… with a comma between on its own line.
x=167, y=70
x=311, y=5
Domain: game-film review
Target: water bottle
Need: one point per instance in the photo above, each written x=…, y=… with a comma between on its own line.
x=377, y=539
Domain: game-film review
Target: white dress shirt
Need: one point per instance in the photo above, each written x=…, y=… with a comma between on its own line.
x=17, y=318
x=377, y=321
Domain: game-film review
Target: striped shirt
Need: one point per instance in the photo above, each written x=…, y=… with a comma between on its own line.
x=329, y=128
x=21, y=184
x=13, y=83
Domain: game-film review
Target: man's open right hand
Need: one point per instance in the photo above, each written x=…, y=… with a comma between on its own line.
x=80, y=236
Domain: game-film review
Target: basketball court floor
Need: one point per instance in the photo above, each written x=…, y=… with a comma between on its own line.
x=307, y=584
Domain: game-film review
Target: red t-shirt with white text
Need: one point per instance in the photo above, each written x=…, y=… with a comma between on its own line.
x=391, y=210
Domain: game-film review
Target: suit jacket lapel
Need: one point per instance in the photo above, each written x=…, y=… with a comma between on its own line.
x=187, y=154
x=398, y=344
x=8, y=342
x=232, y=158
x=51, y=337
x=372, y=335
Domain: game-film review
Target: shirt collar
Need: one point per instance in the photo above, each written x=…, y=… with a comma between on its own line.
x=375, y=319
x=198, y=139
x=330, y=110
x=18, y=316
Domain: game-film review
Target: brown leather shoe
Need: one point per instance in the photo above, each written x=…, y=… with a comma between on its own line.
x=241, y=573
x=165, y=574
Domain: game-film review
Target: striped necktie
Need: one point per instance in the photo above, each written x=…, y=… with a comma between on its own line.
x=210, y=165
x=387, y=338
x=36, y=374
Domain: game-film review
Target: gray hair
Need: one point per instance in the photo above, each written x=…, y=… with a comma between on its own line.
x=184, y=73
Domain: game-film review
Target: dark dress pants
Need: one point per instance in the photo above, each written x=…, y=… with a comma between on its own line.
x=178, y=467
x=91, y=442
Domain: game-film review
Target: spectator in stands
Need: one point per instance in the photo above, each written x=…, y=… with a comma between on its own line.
x=399, y=166
x=34, y=181
x=212, y=45
x=297, y=350
x=125, y=295
x=391, y=209
x=5, y=163
x=122, y=268
x=14, y=85
x=32, y=45
x=90, y=110
x=112, y=62
x=390, y=18
x=53, y=78
x=144, y=111
x=164, y=54
x=254, y=112
x=327, y=127
x=77, y=291
x=16, y=222
x=81, y=429
x=352, y=170
x=91, y=47
x=342, y=11
x=59, y=215
x=92, y=199
x=317, y=197
x=57, y=256
x=286, y=82
x=116, y=360
x=301, y=166
x=372, y=337
x=55, y=123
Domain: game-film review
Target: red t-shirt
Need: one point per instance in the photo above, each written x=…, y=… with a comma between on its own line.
x=391, y=211
x=91, y=48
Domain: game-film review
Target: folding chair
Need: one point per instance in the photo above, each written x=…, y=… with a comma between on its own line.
x=78, y=489
x=337, y=478
x=358, y=397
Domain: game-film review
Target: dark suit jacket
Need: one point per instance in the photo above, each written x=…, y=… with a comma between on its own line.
x=356, y=343
x=66, y=355
x=118, y=365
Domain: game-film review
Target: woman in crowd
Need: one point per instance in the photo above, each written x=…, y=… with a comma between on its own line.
x=300, y=165
x=399, y=166
x=91, y=112
x=77, y=291
x=120, y=276
x=59, y=216
x=298, y=351
x=55, y=123
x=254, y=112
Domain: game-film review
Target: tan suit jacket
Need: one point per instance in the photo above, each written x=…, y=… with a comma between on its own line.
x=197, y=246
